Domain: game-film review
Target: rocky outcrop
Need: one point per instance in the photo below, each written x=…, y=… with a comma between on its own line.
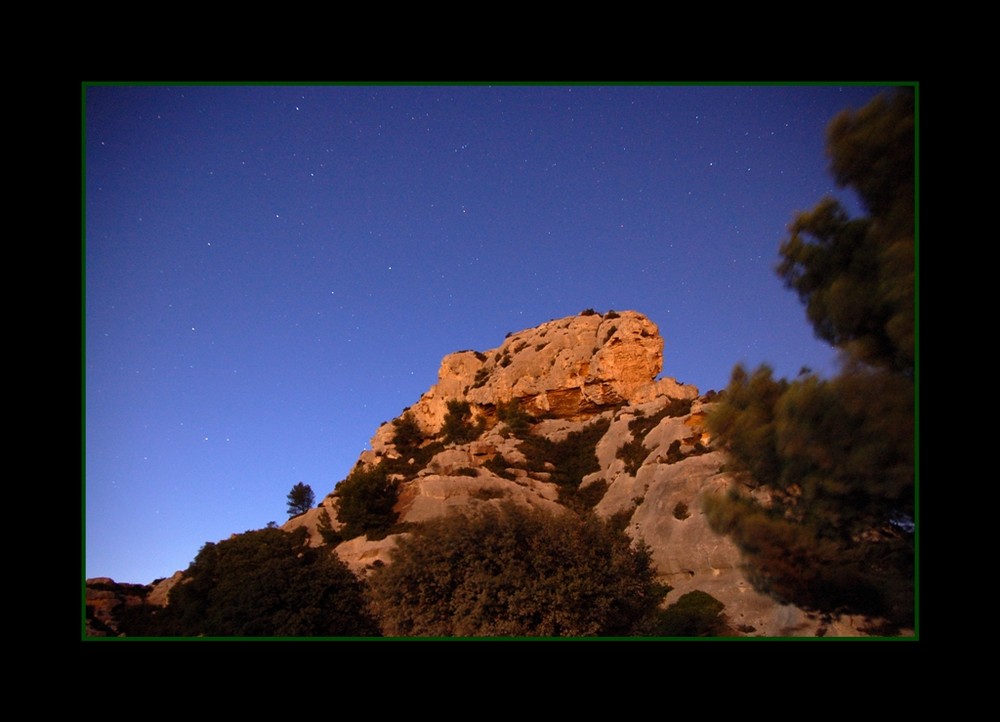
x=570, y=368
x=655, y=460
x=590, y=376
x=103, y=598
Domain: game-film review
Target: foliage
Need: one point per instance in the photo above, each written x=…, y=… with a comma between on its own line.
x=267, y=583
x=835, y=457
x=407, y=435
x=499, y=466
x=486, y=494
x=458, y=427
x=695, y=614
x=300, y=499
x=572, y=458
x=633, y=453
x=856, y=276
x=674, y=453
x=517, y=420
x=482, y=376
x=583, y=498
x=365, y=502
x=511, y=571
x=642, y=424
x=326, y=530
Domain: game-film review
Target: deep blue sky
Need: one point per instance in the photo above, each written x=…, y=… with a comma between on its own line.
x=271, y=272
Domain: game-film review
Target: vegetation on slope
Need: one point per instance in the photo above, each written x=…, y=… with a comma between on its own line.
x=511, y=571
x=835, y=458
x=265, y=583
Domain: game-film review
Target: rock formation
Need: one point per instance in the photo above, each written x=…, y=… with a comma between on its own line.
x=589, y=375
x=655, y=458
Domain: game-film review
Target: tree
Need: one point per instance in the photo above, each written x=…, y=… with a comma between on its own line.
x=325, y=527
x=267, y=582
x=366, y=501
x=512, y=571
x=827, y=508
x=856, y=275
x=695, y=614
x=458, y=427
x=407, y=436
x=300, y=499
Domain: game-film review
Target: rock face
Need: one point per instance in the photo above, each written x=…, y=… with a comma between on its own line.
x=655, y=459
x=104, y=596
x=590, y=377
x=570, y=368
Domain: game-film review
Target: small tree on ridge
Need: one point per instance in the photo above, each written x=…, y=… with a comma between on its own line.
x=300, y=499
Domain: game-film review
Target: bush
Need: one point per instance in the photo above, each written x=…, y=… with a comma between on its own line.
x=499, y=466
x=572, y=458
x=267, y=583
x=695, y=614
x=326, y=530
x=482, y=376
x=642, y=424
x=633, y=453
x=407, y=436
x=458, y=428
x=674, y=453
x=511, y=571
x=486, y=494
x=518, y=422
x=366, y=500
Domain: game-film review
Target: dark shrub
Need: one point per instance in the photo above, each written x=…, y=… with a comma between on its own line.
x=261, y=583
x=366, y=500
x=515, y=572
x=458, y=427
x=633, y=453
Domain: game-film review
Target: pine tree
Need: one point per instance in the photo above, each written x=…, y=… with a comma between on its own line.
x=300, y=499
x=829, y=525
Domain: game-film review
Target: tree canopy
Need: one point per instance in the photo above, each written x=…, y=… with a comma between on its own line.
x=366, y=501
x=300, y=499
x=511, y=571
x=826, y=515
x=856, y=276
x=267, y=582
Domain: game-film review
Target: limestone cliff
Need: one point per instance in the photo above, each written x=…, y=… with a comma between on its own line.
x=593, y=377
x=655, y=455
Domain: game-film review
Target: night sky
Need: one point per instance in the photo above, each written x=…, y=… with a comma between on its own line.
x=272, y=272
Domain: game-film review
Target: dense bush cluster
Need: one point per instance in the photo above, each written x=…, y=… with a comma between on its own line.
x=511, y=571
x=407, y=435
x=265, y=583
x=695, y=614
x=458, y=427
x=365, y=502
x=572, y=459
x=517, y=421
x=633, y=453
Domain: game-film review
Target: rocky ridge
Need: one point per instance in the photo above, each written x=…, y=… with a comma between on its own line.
x=591, y=373
x=655, y=456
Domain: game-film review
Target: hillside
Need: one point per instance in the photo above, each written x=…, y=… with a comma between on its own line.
x=569, y=414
